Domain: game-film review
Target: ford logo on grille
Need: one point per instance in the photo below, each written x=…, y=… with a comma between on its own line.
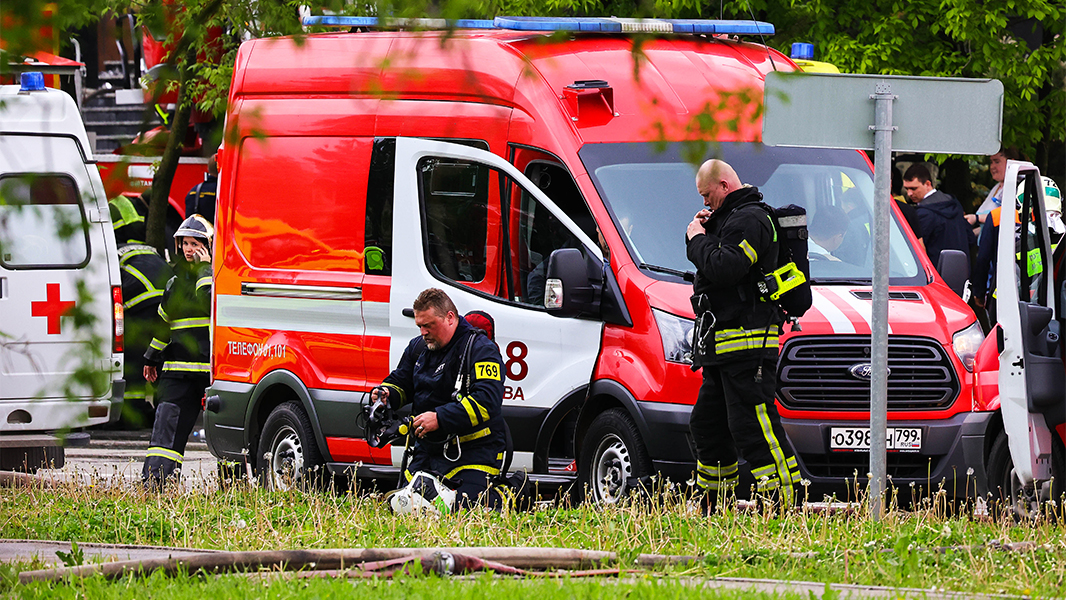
x=864, y=371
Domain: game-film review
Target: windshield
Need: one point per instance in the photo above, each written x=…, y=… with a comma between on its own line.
x=651, y=194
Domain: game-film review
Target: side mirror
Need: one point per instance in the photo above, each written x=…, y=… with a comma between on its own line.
x=568, y=291
x=954, y=267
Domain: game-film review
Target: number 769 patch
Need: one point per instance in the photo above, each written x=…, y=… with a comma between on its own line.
x=487, y=370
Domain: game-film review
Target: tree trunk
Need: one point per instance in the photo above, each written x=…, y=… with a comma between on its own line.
x=168, y=163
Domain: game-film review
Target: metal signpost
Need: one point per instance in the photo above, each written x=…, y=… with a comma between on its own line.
x=913, y=114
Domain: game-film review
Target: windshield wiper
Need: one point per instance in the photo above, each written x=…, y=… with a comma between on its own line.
x=689, y=276
x=840, y=281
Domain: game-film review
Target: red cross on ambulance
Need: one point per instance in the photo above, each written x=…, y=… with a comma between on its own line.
x=52, y=308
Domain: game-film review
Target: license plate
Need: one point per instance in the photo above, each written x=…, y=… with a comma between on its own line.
x=900, y=439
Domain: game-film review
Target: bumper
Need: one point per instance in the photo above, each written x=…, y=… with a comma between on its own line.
x=226, y=437
x=950, y=449
x=28, y=416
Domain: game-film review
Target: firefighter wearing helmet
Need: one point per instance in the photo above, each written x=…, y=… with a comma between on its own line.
x=178, y=354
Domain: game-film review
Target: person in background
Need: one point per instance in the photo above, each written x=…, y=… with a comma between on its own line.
x=180, y=355
x=910, y=213
x=997, y=168
x=940, y=216
x=201, y=197
x=144, y=275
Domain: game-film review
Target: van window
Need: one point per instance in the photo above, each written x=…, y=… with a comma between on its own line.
x=456, y=203
x=42, y=224
x=378, y=229
x=539, y=234
x=296, y=206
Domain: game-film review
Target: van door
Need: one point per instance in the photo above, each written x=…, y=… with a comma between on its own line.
x=48, y=248
x=1032, y=380
x=450, y=231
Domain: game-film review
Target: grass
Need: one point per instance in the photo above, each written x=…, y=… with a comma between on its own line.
x=926, y=547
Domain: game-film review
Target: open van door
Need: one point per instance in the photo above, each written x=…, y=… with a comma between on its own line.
x=1032, y=378
x=454, y=224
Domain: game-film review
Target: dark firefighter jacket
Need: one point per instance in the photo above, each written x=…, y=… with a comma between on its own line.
x=428, y=377
x=144, y=277
x=740, y=244
x=182, y=343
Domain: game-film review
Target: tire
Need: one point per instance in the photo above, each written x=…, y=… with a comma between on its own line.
x=288, y=456
x=30, y=459
x=613, y=457
x=1007, y=492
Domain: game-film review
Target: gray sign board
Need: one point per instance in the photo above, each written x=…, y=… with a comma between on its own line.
x=940, y=115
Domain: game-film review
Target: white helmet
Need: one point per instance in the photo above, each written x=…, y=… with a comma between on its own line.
x=1052, y=195
x=423, y=493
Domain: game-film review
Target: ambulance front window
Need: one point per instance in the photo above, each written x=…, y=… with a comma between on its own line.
x=456, y=196
x=41, y=222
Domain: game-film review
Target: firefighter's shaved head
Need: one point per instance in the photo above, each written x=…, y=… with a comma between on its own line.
x=714, y=181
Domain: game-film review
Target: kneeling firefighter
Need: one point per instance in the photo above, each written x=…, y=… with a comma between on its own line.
x=453, y=375
x=181, y=347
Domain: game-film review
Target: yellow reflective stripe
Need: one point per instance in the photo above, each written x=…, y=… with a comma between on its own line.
x=163, y=313
x=141, y=298
x=716, y=471
x=399, y=390
x=481, y=409
x=130, y=254
x=717, y=483
x=191, y=322
x=191, y=367
x=139, y=276
x=775, y=449
x=155, y=344
x=469, y=411
x=134, y=394
x=750, y=252
x=730, y=334
x=126, y=211
x=482, y=468
x=746, y=344
x=480, y=433
x=165, y=453
x=201, y=282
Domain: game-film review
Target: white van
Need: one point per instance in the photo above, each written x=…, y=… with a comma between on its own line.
x=60, y=287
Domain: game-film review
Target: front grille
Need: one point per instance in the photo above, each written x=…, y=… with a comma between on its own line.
x=814, y=374
x=848, y=465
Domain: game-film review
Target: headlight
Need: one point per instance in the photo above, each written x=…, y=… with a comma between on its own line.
x=966, y=343
x=677, y=336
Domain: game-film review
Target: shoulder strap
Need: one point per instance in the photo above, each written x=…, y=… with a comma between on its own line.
x=462, y=379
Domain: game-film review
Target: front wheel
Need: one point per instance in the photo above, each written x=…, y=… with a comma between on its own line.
x=1025, y=502
x=288, y=456
x=613, y=458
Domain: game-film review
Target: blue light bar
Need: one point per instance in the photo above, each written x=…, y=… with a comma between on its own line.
x=578, y=24
x=616, y=25
x=342, y=21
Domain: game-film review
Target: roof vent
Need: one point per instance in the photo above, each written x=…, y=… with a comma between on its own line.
x=590, y=101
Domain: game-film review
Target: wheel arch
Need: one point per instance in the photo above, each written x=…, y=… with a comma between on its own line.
x=274, y=389
x=550, y=427
x=605, y=394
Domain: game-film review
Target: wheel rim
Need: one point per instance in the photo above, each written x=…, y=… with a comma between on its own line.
x=286, y=459
x=611, y=468
x=1025, y=500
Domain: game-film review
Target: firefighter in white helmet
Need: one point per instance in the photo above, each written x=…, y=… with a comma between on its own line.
x=178, y=355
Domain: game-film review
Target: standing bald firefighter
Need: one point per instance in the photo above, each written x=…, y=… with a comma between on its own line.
x=733, y=243
x=144, y=276
x=181, y=350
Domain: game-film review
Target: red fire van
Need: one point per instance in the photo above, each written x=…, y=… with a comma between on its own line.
x=369, y=165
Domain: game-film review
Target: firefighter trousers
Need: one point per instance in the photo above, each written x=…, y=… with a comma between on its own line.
x=735, y=415
x=175, y=415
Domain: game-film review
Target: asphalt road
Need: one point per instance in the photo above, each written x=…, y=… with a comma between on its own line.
x=117, y=457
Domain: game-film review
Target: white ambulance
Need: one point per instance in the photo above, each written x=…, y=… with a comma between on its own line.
x=60, y=287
